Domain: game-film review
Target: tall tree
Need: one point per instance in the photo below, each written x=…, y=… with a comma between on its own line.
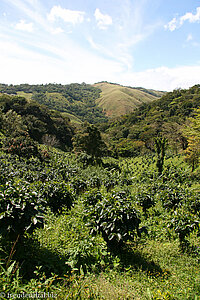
x=160, y=147
x=12, y=123
x=89, y=140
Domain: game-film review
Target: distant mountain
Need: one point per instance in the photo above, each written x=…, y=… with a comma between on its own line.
x=75, y=100
x=117, y=100
x=83, y=102
x=164, y=117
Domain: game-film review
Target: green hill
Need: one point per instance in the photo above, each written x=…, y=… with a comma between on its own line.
x=164, y=117
x=116, y=100
x=78, y=100
x=19, y=116
x=84, y=102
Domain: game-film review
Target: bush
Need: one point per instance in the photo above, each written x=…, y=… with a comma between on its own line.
x=114, y=217
x=57, y=195
x=183, y=224
x=20, y=209
x=21, y=145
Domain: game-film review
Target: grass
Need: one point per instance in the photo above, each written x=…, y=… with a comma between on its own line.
x=28, y=96
x=117, y=100
x=72, y=118
x=179, y=278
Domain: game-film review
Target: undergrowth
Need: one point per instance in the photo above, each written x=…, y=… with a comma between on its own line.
x=81, y=244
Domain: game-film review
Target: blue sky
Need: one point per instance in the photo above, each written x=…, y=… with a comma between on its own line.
x=148, y=43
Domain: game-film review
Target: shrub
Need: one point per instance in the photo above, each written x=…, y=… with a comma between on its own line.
x=21, y=145
x=114, y=217
x=20, y=209
x=85, y=159
x=145, y=200
x=183, y=224
x=58, y=195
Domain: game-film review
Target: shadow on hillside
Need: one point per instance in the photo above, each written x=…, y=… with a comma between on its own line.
x=29, y=255
x=133, y=258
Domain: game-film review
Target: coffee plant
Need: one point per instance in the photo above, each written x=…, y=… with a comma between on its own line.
x=21, y=210
x=145, y=200
x=57, y=195
x=113, y=216
x=183, y=224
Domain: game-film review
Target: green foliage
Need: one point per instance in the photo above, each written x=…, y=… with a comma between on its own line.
x=145, y=200
x=89, y=140
x=10, y=279
x=19, y=115
x=184, y=223
x=129, y=148
x=21, y=209
x=113, y=216
x=75, y=99
x=160, y=146
x=117, y=200
x=85, y=159
x=57, y=195
x=162, y=117
x=12, y=123
x=22, y=145
x=77, y=250
x=172, y=196
x=192, y=152
x=192, y=132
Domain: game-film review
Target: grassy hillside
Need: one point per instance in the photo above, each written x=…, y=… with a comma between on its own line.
x=72, y=118
x=116, y=100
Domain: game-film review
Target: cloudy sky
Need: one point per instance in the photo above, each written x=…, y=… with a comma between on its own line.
x=148, y=43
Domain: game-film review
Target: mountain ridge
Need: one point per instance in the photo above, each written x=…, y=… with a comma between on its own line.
x=117, y=100
x=84, y=102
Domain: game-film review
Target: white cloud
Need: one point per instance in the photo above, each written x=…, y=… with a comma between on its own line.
x=24, y=65
x=103, y=21
x=44, y=57
x=67, y=15
x=57, y=30
x=22, y=25
x=59, y=61
x=164, y=78
x=177, y=23
x=189, y=37
x=172, y=25
x=190, y=17
x=33, y=12
x=119, y=54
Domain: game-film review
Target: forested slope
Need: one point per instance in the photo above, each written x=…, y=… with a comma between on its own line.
x=87, y=223
x=19, y=117
x=75, y=99
x=166, y=117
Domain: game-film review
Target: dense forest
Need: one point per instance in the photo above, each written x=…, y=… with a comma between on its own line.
x=75, y=99
x=99, y=209
x=166, y=117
